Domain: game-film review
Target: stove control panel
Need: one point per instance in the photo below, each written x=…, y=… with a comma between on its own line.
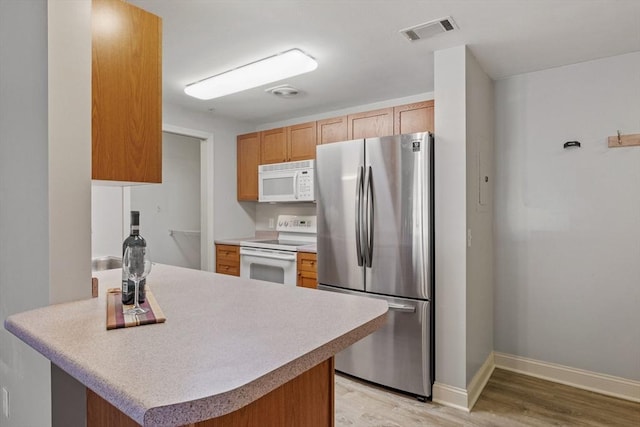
x=297, y=223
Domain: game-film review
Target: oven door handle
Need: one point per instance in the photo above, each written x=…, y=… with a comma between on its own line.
x=283, y=257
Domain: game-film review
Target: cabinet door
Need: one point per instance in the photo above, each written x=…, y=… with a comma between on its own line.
x=371, y=124
x=413, y=118
x=332, y=130
x=247, y=167
x=273, y=146
x=302, y=141
x=126, y=93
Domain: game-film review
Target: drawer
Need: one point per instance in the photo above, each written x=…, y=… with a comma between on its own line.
x=228, y=268
x=307, y=270
x=307, y=261
x=228, y=253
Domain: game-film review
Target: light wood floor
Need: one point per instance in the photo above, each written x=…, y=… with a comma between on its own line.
x=509, y=399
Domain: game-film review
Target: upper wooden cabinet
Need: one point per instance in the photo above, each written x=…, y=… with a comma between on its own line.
x=302, y=141
x=288, y=144
x=298, y=142
x=273, y=146
x=248, y=159
x=413, y=118
x=370, y=124
x=332, y=130
x=126, y=93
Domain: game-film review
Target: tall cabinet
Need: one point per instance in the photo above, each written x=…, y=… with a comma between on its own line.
x=126, y=93
x=248, y=159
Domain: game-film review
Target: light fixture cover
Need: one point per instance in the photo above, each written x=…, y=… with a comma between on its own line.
x=277, y=67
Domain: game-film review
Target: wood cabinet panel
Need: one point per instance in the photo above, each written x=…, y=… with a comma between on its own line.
x=370, y=124
x=306, y=400
x=248, y=147
x=302, y=141
x=332, y=130
x=228, y=259
x=273, y=146
x=126, y=93
x=413, y=118
x=307, y=270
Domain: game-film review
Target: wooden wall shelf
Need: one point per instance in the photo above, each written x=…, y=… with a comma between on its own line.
x=624, y=140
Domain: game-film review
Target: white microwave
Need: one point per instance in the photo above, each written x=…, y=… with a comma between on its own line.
x=287, y=182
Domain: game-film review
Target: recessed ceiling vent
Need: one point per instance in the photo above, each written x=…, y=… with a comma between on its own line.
x=283, y=91
x=429, y=29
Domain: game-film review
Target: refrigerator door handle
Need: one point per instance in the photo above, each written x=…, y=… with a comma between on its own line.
x=359, y=191
x=368, y=228
x=402, y=308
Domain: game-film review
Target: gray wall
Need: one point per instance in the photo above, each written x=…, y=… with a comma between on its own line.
x=24, y=207
x=568, y=221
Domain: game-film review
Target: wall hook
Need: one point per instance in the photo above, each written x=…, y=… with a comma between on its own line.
x=619, y=138
x=569, y=144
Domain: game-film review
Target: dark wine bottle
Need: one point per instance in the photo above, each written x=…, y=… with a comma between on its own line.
x=134, y=239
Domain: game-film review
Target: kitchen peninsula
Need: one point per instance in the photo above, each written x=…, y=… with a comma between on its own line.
x=231, y=349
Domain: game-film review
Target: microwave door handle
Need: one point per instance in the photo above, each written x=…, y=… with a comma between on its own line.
x=295, y=185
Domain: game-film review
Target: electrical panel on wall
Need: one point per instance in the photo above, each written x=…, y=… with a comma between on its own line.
x=484, y=181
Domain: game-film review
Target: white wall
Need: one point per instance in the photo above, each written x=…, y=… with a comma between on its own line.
x=107, y=228
x=464, y=123
x=45, y=104
x=24, y=204
x=174, y=204
x=231, y=218
x=450, y=216
x=69, y=150
x=567, y=222
x=480, y=148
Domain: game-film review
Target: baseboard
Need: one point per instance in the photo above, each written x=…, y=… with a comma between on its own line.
x=448, y=395
x=600, y=383
x=479, y=380
x=460, y=398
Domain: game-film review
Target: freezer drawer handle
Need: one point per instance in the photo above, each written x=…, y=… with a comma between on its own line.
x=402, y=308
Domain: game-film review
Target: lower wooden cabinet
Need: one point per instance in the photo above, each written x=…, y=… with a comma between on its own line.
x=307, y=270
x=228, y=259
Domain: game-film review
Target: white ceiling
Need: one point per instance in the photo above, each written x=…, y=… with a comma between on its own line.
x=362, y=57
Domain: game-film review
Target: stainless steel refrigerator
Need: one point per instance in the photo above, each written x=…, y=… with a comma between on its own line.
x=376, y=239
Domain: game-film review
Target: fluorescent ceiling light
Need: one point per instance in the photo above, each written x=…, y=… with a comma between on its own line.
x=277, y=67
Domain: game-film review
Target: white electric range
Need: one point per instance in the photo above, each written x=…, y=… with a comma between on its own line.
x=276, y=260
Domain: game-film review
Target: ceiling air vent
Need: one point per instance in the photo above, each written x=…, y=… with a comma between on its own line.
x=429, y=29
x=284, y=91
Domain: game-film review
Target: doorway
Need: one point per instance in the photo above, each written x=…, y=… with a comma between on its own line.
x=170, y=212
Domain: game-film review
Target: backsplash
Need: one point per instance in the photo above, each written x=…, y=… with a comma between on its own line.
x=270, y=211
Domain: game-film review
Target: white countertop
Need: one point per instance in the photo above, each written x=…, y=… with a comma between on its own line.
x=227, y=341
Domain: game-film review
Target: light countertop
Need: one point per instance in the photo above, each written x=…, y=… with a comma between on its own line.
x=227, y=341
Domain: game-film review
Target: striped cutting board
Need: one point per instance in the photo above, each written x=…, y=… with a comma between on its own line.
x=117, y=319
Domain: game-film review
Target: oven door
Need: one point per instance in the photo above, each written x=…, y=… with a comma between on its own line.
x=269, y=265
